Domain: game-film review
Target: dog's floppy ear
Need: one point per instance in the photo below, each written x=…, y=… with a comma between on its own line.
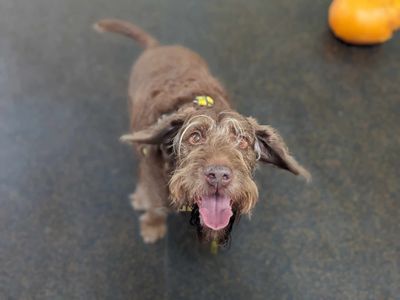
x=165, y=128
x=273, y=150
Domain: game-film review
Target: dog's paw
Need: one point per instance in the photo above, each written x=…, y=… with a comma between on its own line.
x=152, y=229
x=138, y=201
x=152, y=234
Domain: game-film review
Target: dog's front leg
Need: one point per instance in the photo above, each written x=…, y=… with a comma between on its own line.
x=151, y=196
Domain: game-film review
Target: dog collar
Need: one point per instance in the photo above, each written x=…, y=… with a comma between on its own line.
x=185, y=208
x=203, y=101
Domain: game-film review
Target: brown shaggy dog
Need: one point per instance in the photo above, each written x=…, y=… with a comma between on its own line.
x=197, y=154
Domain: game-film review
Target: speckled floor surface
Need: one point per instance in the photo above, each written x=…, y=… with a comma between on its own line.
x=66, y=227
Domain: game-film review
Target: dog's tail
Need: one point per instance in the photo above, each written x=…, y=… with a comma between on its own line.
x=127, y=29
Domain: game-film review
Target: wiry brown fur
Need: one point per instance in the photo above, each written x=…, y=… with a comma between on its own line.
x=163, y=84
x=220, y=148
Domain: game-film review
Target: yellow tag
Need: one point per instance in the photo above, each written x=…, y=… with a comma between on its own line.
x=206, y=101
x=214, y=247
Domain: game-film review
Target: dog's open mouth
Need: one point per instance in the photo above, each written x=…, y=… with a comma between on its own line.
x=215, y=211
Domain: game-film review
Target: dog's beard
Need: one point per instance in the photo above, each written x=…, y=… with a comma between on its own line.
x=187, y=187
x=223, y=236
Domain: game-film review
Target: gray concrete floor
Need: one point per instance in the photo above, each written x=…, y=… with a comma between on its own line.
x=66, y=227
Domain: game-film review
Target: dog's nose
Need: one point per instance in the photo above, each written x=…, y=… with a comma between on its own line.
x=217, y=175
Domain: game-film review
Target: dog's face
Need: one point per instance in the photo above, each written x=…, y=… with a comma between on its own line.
x=215, y=163
x=212, y=158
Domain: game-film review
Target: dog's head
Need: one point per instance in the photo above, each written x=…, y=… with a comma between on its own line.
x=212, y=158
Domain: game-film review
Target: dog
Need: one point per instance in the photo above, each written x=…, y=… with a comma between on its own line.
x=195, y=150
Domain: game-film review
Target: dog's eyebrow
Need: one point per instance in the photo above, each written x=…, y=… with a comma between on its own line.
x=190, y=123
x=226, y=112
x=237, y=125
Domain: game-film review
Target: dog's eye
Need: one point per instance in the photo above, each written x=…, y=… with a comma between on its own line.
x=195, y=138
x=243, y=142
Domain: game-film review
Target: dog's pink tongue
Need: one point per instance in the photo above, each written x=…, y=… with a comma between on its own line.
x=215, y=211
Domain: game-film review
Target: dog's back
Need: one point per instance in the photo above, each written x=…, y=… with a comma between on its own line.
x=164, y=77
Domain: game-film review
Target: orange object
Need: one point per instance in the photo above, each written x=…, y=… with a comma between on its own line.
x=364, y=22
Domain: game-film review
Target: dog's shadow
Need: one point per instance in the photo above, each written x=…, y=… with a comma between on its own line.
x=182, y=236
x=192, y=269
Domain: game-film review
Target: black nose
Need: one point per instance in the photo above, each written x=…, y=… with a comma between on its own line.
x=217, y=175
